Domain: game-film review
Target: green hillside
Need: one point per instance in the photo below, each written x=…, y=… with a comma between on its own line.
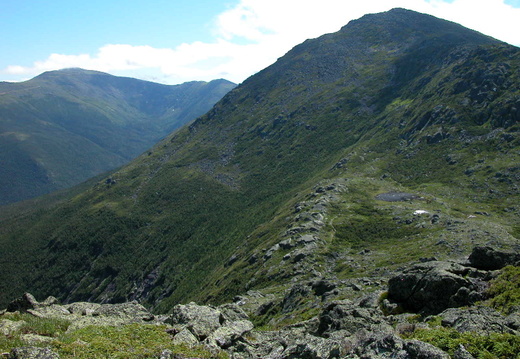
x=63, y=127
x=277, y=183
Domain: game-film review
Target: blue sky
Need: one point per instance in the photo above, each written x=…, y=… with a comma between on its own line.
x=37, y=28
x=177, y=41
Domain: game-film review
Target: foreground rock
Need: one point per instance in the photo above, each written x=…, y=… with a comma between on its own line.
x=488, y=258
x=375, y=346
x=431, y=287
x=367, y=327
x=32, y=353
x=216, y=327
x=477, y=319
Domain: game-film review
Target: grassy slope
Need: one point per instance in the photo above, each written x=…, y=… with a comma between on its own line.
x=227, y=184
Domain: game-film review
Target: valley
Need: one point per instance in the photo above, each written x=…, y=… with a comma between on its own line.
x=64, y=127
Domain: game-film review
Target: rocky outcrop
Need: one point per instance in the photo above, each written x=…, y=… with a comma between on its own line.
x=367, y=327
x=350, y=317
x=487, y=258
x=216, y=327
x=377, y=346
x=477, y=319
x=82, y=314
x=432, y=287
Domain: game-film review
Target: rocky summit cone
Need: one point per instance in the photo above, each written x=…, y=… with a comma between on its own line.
x=391, y=141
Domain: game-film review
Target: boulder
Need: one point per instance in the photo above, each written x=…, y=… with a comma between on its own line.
x=35, y=339
x=513, y=320
x=83, y=314
x=32, y=353
x=476, y=319
x=462, y=353
x=347, y=316
x=488, y=258
x=232, y=311
x=225, y=336
x=83, y=308
x=130, y=311
x=377, y=345
x=312, y=347
x=184, y=337
x=201, y=321
x=431, y=287
x=421, y=350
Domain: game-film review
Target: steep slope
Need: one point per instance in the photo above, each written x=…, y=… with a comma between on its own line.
x=277, y=183
x=63, y=127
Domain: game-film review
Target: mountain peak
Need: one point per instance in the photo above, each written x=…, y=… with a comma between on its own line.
x=400, y=24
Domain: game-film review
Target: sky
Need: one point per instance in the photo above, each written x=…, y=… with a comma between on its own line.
x=174, y=41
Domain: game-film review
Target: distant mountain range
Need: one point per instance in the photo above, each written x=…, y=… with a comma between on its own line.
x=393, y=141
x=63, y=127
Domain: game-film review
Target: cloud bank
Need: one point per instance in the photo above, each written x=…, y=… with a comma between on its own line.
x=253, y=34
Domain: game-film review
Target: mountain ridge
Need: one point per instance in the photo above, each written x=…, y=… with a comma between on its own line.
x=63, y=127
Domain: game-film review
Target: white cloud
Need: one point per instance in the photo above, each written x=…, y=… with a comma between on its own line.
x=254, y=33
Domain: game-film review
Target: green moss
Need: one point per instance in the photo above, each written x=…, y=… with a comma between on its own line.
x=49, y=327
x=128, y=341
x=505, y=289
x=368, y=226
x=117, y=342
x=482, y=346
x=515, y=232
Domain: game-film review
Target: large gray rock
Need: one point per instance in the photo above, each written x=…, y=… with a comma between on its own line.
x=232, y=312
x=476, y=319
x=379, y=346
x=312, y=347
x=513, y=320
x=350, y=317
x=32, y=353
x=131, y=311
x=290, y=343
x=185, y=337
x=432, y=287
x=490, y=259
x=83, y=308
x=200, y=320
x=226, y=336
x=421, y=350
